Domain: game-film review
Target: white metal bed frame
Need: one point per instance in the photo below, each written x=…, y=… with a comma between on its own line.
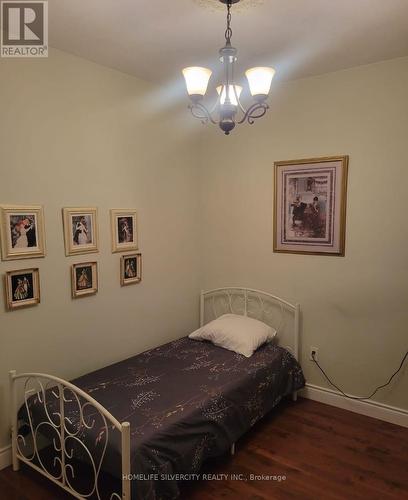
x=237, y=300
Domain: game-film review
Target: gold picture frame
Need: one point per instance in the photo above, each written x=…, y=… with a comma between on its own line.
x=80, y=230
x=84, y=279
x=310, y=201
x=22, y=232
x=130, y=269
x=22, y=288
x=124, y=230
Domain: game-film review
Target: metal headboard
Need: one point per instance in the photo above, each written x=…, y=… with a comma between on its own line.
x=255, y=304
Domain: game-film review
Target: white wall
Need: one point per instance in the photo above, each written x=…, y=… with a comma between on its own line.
x=73, y=133
x=355, y=309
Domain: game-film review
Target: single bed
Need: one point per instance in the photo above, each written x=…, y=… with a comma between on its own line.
x=180, y=404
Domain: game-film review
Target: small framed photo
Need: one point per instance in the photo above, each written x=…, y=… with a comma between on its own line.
x=22, y=288
x=84, y=279
x=310, y=206
x=131, y=269
x=124, y=230
x=22, y=232
x=80, y=230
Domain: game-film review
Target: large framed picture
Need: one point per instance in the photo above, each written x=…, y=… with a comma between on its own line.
x=84, y=279
x=131, y=269
x=124, y=230
x=22, y=288
x=80, y=230
x=22, y=232
x=310, y=206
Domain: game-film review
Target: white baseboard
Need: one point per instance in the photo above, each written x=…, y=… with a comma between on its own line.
x=5, y=457
x=391, y=414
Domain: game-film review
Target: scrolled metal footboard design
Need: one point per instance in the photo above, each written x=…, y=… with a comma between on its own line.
x=67, y=416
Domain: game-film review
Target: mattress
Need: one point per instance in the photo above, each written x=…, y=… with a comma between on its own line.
x=186, y=401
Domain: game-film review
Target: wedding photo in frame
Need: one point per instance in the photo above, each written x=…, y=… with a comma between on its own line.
x=22, y=232
x=84, y=279
x=124, y=230
x=131, y=269
x=310, y=206
x=22, y=288
x=80, y=230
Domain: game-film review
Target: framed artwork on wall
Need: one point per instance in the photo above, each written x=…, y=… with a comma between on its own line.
x=84, y=279
x=22, y=288
x=131, y=269
x=310, y=206
x=80, y=230
x=124, y=230
x=22, y=232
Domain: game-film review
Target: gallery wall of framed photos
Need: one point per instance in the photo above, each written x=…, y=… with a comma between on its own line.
x=22, y=234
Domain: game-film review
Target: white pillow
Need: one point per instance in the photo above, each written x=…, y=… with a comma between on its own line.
x=236, y=333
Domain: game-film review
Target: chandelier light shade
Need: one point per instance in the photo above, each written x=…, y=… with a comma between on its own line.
x=234, y=94
x=197, y=80
x=228, y=110
x=260, y=80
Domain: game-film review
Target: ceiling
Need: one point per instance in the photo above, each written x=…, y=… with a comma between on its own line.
x=155, y=39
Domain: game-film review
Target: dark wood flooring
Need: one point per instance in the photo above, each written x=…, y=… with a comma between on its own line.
x=323, y=452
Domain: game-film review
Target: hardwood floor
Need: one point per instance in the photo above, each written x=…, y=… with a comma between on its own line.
x=323, y=452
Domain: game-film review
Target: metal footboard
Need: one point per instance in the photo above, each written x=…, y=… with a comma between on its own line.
x=68, y=436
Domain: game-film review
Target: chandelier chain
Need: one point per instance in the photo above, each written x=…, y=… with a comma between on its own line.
x=228, y=31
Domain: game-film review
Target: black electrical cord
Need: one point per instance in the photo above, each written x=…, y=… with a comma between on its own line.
x=355, y=397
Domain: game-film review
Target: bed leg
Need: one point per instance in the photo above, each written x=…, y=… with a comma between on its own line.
x=13, y=421
x=233, y=449
x=16, y=461
x=126, y=461
x=294, y=396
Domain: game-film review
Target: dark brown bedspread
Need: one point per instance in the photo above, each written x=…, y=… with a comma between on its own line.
x=186, y=401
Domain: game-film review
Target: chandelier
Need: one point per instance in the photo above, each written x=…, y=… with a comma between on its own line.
x=228, y=110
